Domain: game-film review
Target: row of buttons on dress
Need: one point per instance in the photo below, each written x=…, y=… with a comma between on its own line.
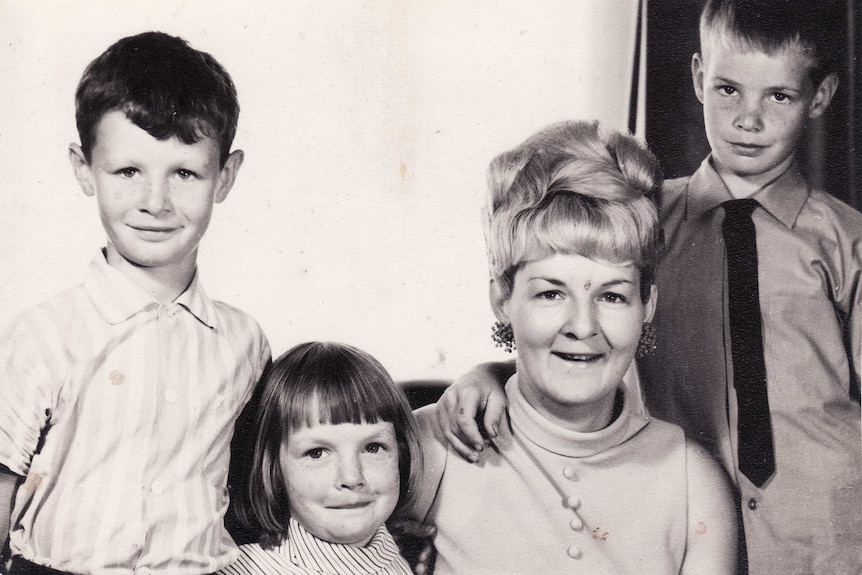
x=574, y=502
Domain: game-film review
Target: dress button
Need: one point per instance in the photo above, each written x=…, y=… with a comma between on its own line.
x=569, y=473
x=576, y=524
x=158, y=487
x=574, y=552
x=171, y=395
x=573, y=501
x=752, y=504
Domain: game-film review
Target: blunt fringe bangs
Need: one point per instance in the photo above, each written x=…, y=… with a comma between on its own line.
x=164, y=87
x=772, y=26
x=323, y=383
x=573, y=188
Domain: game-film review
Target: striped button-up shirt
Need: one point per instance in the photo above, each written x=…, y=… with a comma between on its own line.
x=301, y=553
x=119, y=412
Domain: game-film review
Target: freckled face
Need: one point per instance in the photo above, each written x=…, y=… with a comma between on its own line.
x=155, y=196
x=755, y=106
x=342, y=480
x=577, y=324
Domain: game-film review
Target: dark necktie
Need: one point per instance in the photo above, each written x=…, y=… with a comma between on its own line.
x=754, y=429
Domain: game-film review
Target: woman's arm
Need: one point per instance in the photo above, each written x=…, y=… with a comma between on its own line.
x=712, y=513
x=478, y=393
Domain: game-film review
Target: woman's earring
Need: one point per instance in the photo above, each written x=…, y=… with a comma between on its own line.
x=503, y=336
x=648, y=340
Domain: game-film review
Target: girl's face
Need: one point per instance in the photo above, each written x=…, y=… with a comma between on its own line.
x=342, y=480
x=577, y=324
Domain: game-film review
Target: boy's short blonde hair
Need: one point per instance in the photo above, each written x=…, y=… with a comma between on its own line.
x=573, y=188
x=772, y=26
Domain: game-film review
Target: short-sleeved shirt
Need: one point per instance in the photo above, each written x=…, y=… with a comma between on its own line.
x=120, y=411
x=806, y=518
x=301, y=553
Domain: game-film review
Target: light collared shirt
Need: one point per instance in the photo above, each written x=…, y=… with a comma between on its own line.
x=119, y=412
x=806, y=518
x=301, y=553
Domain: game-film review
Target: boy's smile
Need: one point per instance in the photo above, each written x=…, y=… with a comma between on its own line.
x=755, y=106
x=155, y=196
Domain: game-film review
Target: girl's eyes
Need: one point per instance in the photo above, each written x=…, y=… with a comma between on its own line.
x=315, y=453
x=375, y=447
x=727, y=90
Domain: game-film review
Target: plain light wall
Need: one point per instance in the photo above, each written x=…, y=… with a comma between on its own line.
x=367, y=128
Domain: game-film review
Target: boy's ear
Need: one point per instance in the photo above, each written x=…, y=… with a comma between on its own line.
x=499, y=301
x=823, y=95
x=697, y=75
x=227, y=174
x=81, y=168
x=650, y=305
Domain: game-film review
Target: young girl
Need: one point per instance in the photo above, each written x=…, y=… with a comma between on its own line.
x=336, y=453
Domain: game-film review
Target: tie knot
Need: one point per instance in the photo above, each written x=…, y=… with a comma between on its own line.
x=739, y=208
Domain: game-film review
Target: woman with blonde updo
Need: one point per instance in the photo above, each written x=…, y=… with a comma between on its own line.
x=578, y=478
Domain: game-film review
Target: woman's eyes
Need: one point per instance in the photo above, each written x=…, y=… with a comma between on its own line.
x=727, y=90
x=549, y=295
x=611, y=297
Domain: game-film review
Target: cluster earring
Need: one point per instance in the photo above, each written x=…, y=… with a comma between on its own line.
x=648, y=341
x=503, y=336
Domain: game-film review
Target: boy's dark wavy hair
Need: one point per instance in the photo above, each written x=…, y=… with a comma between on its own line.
x=773, y=25
x=163, y=86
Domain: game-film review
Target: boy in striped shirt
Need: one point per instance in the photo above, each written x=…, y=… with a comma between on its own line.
x=118, y=397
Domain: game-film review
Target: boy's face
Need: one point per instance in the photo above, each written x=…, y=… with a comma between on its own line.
x=755, y=106
x=155, y=196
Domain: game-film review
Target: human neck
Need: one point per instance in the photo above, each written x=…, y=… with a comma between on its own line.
x=164, y=284
x=586, y=418
x=745, y=186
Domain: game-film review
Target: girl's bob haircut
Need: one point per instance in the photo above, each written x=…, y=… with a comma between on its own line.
x=573, y=188
x=323, y=383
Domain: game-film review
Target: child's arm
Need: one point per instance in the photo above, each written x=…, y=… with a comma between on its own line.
x=8, y=487
x=458, y=410
x=712, y=523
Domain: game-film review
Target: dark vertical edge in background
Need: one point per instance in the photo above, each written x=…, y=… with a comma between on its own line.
x=854, y=106
x=636, y=70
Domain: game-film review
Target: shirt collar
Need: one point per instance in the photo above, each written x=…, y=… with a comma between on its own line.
x=551, y=437
x=783, y=197
x=307, y=551
x=117, y=298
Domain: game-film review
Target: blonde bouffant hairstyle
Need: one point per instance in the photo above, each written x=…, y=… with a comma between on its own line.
x=573, y=188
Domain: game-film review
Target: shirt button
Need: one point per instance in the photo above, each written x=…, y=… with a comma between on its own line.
x=576, y=524
x=171, y=395
x=569, y=473
x=752, y=504
x=573, y=501
x=574, y=552
x=158, y=487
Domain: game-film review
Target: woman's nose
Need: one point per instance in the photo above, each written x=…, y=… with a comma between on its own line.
x=350, y=473
x=581, y=321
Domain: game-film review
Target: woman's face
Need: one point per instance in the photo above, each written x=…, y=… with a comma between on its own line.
x=577, y=323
